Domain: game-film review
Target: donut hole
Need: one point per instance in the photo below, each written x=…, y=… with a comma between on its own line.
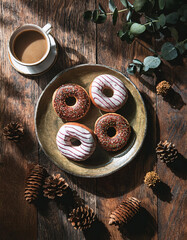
x=70, y=101
x=75, y=142
x=111, y=131
x=108, y=92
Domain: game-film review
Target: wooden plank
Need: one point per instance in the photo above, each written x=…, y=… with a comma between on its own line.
x=129, y=180
x=172, y=117
x=17, y=96
x=76, y=40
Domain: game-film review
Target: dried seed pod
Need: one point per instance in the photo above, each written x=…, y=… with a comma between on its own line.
x=163, y=88
x=34, y=183
x=151, y=179
x=166, y=151
x=54, y=186
x=13, y=131
x=82, y=217
x=125, y=211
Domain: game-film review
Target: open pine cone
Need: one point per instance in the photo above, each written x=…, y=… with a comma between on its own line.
x=166, y=151
x=54, y=186
x=13, y=131
x=82, y=217
x=151, y=179
x=163, y=88
x=125, y=211
x=34, y=183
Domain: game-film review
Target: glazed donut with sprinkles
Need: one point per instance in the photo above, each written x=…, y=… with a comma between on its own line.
x=71, y=102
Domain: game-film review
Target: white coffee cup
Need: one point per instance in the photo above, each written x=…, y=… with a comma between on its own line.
x=44, y=31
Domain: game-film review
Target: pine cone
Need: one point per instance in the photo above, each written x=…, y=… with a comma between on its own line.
x=163, y=88
x=54, y=186
x=34, y=183
x=82, y=217
x=166, y=151
x=125, y=211
x=151, y=179
x=13, y=131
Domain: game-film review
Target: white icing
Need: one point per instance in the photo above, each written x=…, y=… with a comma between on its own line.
x=77, y=153
x=118, y=98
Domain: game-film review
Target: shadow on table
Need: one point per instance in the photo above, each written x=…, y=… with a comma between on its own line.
x=163, y=192
x=66, y=58
x=142, y=227
x=179, y=166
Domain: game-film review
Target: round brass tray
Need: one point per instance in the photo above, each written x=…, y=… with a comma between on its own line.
x=101, y=163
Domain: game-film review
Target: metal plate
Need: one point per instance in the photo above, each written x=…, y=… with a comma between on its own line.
x=101, y=163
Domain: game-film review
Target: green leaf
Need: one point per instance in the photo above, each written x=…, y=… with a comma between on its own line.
x=131, y=69
x=115, y=16
x=172, y=18
x=112, y=6
x=102, y=18
x=146, y=68
x=122, y=35
x=138, y=62
x=161, y=4
x=95, y=16
x=152, y=62
x=125, y=3
x=87, y=15
x=129, y=15
x=139, y=4
x=101, y=9
x=174, y=33
x=162, y=20
x=168, y=51
x=137, y=28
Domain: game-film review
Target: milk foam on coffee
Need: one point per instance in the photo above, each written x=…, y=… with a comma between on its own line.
x=30, y=46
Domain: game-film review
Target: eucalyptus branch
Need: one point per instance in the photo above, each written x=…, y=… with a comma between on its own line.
x=120, y=11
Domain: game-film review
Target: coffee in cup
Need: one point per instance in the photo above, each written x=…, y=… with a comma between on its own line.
x=29, y=46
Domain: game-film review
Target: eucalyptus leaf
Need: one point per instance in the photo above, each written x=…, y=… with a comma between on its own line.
x=131, y=69
x=137, y=29
x=168, y=51
x=95, y=16
x=139, y=4
x=161, y=4
x=112, y=5
x=115, y=16
x=88, y=15
x=122, y=35
x=125, y=3
x=146, y=68
x=138, y=62
x=101, y=9
x=152, y=62
x=174, y=33
x=102, y=18
x=172, y=18
x=129, y=15
x=162, y=20
x=181, y=48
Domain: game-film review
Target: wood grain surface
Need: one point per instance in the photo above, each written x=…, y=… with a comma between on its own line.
x=163, y=214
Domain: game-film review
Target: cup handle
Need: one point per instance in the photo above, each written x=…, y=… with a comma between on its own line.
x=47, y=28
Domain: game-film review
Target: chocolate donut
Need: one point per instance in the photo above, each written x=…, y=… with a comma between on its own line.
x=66, y=137
x=71, y=102
x=108, y=102
x=113, y=131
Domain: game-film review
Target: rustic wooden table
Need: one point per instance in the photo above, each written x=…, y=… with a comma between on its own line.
x=82, y=42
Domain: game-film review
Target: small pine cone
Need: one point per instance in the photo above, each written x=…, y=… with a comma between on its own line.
x=54, y=186
x=166, y=151
x=163, y=88
x=34, y=183
x=82, y=217
x=125, y=211
x=13, y=131
x=151, y=179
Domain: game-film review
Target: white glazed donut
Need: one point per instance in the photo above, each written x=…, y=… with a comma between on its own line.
x=103, y=102
x=80, y=132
